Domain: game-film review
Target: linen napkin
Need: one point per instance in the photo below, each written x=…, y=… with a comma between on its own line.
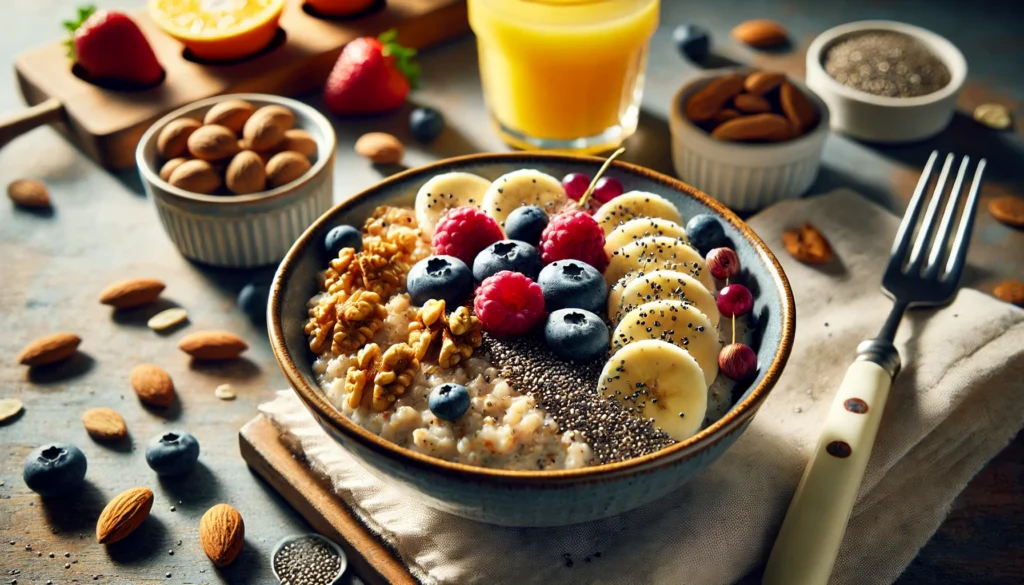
x=955, y=404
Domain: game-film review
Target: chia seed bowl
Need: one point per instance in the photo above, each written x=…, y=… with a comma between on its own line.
x=533, y=497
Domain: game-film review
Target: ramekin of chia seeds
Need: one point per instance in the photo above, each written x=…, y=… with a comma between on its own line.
x=886, y=81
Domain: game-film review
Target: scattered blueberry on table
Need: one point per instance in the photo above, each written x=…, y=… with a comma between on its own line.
x=692, y=41
x=577, y=335
x=440, y=277
x=510, y=255
x=449, y=401
x=426, y=124
x=706, y=233
x=172, y=453
x=342, y=236
x=572, y=284
x=526, y=224
x=252, y=300
x=55, y=469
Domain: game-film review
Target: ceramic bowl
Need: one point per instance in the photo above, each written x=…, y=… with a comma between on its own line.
x=886, y=119
x=241, y=231
x=744, y=176
x=532, y=498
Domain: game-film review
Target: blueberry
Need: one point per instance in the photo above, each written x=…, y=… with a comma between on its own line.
x=692, y=41
x=577, y=335
x=526, y=224
x=507, y=255
x=252, y=299
x=571, y=284
x=440, y=277
x=54, y=469
x=426, y=124
x=706, y=233
x=342, y=236
x=449, y=401
x=172, y=453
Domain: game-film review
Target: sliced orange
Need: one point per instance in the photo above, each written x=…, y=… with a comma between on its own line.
x=219, y=30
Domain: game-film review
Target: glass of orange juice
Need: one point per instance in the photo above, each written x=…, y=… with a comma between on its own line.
x=563, y=74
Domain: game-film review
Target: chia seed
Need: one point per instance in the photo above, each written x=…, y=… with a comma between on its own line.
x=307, y=561
x=887, y=64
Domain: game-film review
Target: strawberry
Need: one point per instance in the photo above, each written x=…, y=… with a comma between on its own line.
x=371, y=76
x=109, y=46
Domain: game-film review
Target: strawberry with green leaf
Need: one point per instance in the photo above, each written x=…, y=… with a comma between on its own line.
x=108, y=46
x=372, y=76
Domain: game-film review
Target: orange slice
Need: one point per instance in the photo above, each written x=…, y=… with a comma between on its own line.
x=219, y=30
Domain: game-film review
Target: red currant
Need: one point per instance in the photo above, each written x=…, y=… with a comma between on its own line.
x=607, y=189
x=575, y=185
x=723, y=263
x=737, y=361
x=735, y=300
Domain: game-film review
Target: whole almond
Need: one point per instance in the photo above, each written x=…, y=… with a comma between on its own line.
x=285, y=167
x=245, y=173
x=123, y=515
x=197, y=176
x=169, y=166
x=153, y=385
x=29, y=193
x=380, y=148
x=50, y=349
x=1008, y=209
x=751, y=104
x=760, y=82
x=222, y=533
x=262, y=131
x=212, y=143
x=724, y=115
x=755, y=127
x=797, y=107
x=213, y=345
x=704, y=104
x=231, y=114
x=299, y=141
x=281, y=116
x=761, y=33
x=133, y=292
x=1011, y=291
x=172, y=141
x=104, y=424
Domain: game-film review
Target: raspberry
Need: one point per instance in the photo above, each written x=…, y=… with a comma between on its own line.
x=463, y=232
x=509, y=303
x=574, y=235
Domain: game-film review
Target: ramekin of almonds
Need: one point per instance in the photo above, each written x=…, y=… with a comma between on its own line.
x=236, y=179
x=747, y=138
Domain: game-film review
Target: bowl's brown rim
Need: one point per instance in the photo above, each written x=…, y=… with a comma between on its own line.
x=723, y=427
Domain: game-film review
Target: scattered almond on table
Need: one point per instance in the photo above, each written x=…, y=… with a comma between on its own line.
x=131, y=293
x=123, y=515
x=153, y=385
x=381, y=148
x=29, y=193
x=762, y=33
x=49, y=349
x=807, y=244
x=1008, y=209
x=995, y=116
x=222, y=533
x=104, y=424
x=1011, y=291
x=213, y=345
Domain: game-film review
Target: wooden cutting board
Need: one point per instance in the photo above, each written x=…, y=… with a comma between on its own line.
x=108, y=124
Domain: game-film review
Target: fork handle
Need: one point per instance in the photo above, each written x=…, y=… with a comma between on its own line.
x=809, y=539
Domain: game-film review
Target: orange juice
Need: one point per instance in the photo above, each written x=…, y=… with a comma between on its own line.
x=563, y=74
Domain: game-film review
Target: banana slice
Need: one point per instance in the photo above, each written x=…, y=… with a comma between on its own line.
x=675, y=322
x=448, y=191
x=523, y=187
x=642, y=227
x=635, y=204
x=659, y=381
x=658, y=253
x=661, y=285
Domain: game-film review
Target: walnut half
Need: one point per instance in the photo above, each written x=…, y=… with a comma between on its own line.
x=363, y=372
x=462, y=335
x=396, y=372
x=427, y=327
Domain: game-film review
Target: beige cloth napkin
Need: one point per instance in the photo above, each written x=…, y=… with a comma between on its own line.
x=956, y=403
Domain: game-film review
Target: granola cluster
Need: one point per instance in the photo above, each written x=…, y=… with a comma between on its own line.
x=459, y=333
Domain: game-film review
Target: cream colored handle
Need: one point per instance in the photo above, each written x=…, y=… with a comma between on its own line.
x=809, y=539
x=18, y=123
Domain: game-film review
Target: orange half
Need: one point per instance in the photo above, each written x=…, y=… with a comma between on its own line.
x=219, y=30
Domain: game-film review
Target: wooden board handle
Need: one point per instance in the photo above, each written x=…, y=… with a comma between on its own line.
x=18, y=123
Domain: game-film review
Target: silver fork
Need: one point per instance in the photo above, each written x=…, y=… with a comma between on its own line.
x=923, y=271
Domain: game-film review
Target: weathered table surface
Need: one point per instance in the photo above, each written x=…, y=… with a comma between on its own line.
x=102, y=229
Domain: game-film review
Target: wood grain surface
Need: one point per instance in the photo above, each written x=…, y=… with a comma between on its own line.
x=102, y=229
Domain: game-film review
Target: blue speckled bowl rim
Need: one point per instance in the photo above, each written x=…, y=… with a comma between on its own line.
x=733, y=420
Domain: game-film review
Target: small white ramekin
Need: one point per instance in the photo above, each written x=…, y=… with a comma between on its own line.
x=875, y=118
x=745, y=177
x=241, y=231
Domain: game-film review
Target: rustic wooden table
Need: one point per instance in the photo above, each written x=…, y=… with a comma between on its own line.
x=52, y=266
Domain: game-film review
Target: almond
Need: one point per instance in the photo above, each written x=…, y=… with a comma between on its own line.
x=245, y=173
x=798, y=108
x=133, y=292
x=299, y=141
x=1008, y=209
x=751, y=104
x=222, y=533
x=213, y=345
x=807, y=244
x=29, y=193
x=231, y=114
x=262, y=132
x=704, y=104
x=760, y=83
x=212, y=143
x=123, y=515
x=380, y=148
x=1011, y=292
x=724, y=115
x=197, y=176
x=281, y=116
x=104, y=424
x=285, y=167
x=756, y=127
x=761, y=33
x=169, y=166
x=153, y=385
x=172, y=141
x=50, y=349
